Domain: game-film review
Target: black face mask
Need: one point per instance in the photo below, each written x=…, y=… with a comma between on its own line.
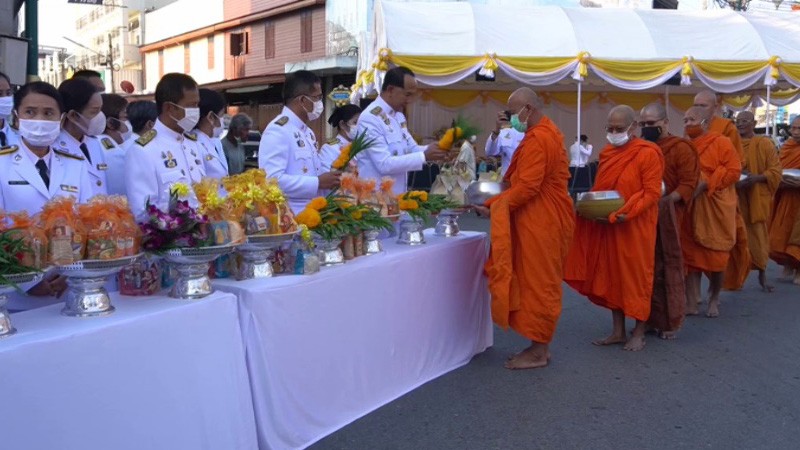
x=651, y=133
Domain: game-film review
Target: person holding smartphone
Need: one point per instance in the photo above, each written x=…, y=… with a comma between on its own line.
x=504, y=140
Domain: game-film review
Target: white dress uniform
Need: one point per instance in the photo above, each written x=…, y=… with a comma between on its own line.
x=288, y=152
x=579, y=154
x=394, y=152
x=97, y=166
x=504, y=146
x=216, y=166
x=330, y=151
x=23, y=189
x=8, y=135
x=160, y=158
x=114, y=155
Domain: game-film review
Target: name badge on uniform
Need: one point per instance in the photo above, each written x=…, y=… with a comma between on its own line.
x=68, y=188
x=102, y=166
x=18, y=182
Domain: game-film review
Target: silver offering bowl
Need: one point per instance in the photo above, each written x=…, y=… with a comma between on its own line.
x=479, y=191
x=411, y=231
x=328, y=251
x=255, y=253
x=192, y=267
x=86, y=295
x=24, y=281
x=447, y=221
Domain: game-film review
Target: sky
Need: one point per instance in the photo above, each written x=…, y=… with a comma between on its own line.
x=57, y=19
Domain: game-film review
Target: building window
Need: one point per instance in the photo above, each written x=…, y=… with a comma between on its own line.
x=269, y=40
x=240, y=43
x=161, y=63
x=187, y=58
x=305, y=32
x=210, y=43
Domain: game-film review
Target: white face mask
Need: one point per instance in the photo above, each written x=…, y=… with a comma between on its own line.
x=217, y=129
x=351, y=132
x=125, y=135
x=97, y=124
x=190, y=118
x=218, y=132
x=6, y=105
x=39, y=133
x=618, y=139
x=315, y=113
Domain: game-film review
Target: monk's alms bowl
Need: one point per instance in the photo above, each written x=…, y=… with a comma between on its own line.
x=478, y=192
x=599, y=204
x=791, y=173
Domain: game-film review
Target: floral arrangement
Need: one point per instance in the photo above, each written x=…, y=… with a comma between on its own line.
x=349, y=151
x=420, y=205
x=258, y=203
x=458, y=129
x=334, y=216
x=13, y=251
x=181, y=226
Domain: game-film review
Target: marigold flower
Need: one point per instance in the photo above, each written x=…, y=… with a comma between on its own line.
x=179, y=189
x=318, y=203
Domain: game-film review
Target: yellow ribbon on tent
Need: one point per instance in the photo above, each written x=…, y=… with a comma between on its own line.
x=489, y=63
x=536, y=65
x=792, y=72
x=583, y=64
x=635, y=70
x=384, y=56
x=717, y=70
x=775, y=67
x=436, y=65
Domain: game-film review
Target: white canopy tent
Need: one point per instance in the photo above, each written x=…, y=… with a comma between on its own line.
x=591, y=52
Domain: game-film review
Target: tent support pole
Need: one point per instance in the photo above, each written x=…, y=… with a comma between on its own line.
x=578, y=134
x=769, y=99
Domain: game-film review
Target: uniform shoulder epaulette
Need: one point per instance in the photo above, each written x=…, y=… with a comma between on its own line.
x=107, y=143
x=146, y=137
x=68, y=154
x=8, y=150
x=190, y=136
x=332, y=141
x=376, y=110
x=282, y=121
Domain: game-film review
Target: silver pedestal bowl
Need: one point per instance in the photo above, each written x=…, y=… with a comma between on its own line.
x=86, y=295
x=447, y=222
x=192, y=267
x=24, y=281
x=256, y=252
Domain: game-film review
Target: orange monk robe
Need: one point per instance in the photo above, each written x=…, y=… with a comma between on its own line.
x=784, y=227
x=739, y=262
x=613, y=264
x=531, y=232
x=760, y=158
x=711, y=218
x=681, y=170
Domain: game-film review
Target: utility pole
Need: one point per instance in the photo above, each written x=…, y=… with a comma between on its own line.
x=32, y=34
x=110, y=64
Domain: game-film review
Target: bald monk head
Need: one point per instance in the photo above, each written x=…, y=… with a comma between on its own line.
x=746, y=124
x=526, y=105
x=695, y=122
x=708, y=101
x=620, y=125
x=653, y=122
x=794, y=129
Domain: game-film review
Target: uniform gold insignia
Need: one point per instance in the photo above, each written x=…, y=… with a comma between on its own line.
x=68, y=188
x=333, y=141
x=301, y=144
x=107, y=144
x=376, y=110
x=146, y=137
x=404, y=125
x=68, y=154
x=282, y=121
x=209, y=157
x=8, y=150
x=190, y=136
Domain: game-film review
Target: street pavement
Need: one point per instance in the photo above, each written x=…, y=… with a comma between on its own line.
x=726, y=383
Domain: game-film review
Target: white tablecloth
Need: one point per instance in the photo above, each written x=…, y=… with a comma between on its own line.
x=326, y=349
x=156, y=374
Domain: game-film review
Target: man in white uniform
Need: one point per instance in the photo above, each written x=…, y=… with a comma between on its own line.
x=288, y=148
x=503, y=141
x=580, y=152
x=167, y=154
x=394, y=152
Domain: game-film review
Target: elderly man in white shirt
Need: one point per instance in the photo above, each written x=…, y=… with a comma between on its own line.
x=394, y=152
x=503, y=141
x=580, y=152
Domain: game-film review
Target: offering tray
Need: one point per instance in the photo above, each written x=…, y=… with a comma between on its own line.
x=86, y=295
x=192, y=267
x=256, y=252
x=24, y=281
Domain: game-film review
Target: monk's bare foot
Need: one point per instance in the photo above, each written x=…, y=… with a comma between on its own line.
x=713, y=309
x=762, y=280
x=634, y=344
x=530, y=358
x=692, y=309
x=519, y=353
x=668, y=335
x=611, y=340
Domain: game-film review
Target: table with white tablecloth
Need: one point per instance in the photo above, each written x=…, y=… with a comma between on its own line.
x=325, y=349
x=156, y=374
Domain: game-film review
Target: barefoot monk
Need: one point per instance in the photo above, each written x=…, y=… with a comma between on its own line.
x=612, y=260
x=531, y=231
x=784, y=227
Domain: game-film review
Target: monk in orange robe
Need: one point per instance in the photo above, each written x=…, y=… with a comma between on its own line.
x=739, y=262
x=681, y=174
x=531, y=231
x=763, y=170
x=784, y=226
x=711, y=218
x=612, y=260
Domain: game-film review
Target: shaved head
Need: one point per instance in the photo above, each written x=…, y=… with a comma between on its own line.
x=526, y=96
x=708, y=101
x=654, y=111
x=695, y=117
x=794, y=129
x=623, y=114
x=746, y=124
x=653, y=120
x=526, y=104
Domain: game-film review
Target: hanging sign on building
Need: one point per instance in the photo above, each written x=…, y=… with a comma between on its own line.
x=340, y=95
x=87, y=2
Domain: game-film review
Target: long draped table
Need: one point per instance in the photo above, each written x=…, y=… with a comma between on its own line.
x=156, y=374
x=326, y=349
